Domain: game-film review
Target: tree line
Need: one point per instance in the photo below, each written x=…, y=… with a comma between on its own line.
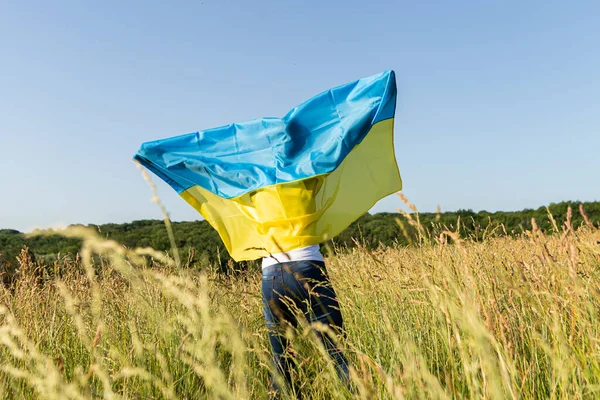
x=199, y=245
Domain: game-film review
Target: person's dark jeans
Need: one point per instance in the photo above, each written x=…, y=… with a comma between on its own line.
x=305, y=286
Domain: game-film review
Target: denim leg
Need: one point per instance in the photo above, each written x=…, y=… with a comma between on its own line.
x=327, y=313
x=281, y=359
x=306, y=286
x=324, y=308
x=276, y=317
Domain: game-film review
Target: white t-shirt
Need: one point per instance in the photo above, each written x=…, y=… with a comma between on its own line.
x=310, y=253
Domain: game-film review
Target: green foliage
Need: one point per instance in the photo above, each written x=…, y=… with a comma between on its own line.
x=385, y=229
x=199, y=245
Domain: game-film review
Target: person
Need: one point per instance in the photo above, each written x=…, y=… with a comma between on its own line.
x=274, y=188
x=298, y=281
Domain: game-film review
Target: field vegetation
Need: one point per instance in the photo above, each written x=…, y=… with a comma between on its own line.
x=201, y=246
x=436, y=315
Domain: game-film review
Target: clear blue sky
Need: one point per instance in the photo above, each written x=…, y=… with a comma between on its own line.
x=499, y=102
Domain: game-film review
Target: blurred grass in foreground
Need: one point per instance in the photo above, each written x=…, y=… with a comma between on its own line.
x=444, y=318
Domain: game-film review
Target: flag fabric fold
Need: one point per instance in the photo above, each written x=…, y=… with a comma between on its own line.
x=275, y=184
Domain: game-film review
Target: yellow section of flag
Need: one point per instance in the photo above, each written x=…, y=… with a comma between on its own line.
x=290, y=215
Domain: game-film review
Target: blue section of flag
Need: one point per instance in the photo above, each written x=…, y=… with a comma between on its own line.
x=312, y=139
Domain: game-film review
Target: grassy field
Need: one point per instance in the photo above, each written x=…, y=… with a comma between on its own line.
x=444, y=318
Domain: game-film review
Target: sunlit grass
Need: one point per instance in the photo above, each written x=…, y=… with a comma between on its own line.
x=502, y=318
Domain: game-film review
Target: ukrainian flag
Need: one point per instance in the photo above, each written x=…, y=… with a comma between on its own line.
x=276, y=184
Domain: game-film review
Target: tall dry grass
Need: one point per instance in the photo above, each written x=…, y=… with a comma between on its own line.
x=444, y=318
